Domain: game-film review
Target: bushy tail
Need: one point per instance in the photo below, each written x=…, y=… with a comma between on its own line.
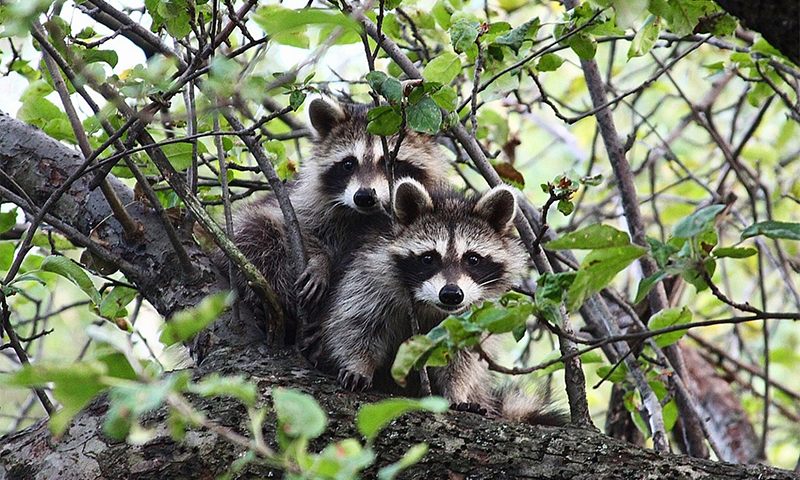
x=517, y=405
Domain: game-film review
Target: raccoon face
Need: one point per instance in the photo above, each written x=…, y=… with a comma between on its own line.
x=348, y=163
x=453, y=252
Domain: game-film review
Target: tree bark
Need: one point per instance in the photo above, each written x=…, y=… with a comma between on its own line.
x=39, y=165
x=778, y=21
x=462, y=445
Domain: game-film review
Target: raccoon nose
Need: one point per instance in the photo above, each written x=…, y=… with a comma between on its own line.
x=365, y=198
x=451, y=295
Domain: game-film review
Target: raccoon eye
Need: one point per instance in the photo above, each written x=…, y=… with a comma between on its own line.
x=349, y=163
x=427, y=259
x=473, y=259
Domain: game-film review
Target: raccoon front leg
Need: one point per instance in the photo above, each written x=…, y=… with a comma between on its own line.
x=359, y=335
x=312, y=283
x=465, y=382
x=359, y=358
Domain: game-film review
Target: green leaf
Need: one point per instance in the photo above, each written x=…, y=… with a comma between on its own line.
x=598, y=269
x=8, y=220
x=463, y=34
x=628, y=11
x=446, y=98
x=734, y=252
x=424, y=116
x=410, y=353
x=47, y=116
x=215, y=385
x=553, y=367
x=371, y=418
x=442, y=11
x=591, y=237
x=583, y=45
x=392, y=89
x=340, y=460
x=7, y=255
x=689, y=270
x=549, y=62
x=129, y=401
x=277, y=149
x=661, y=252
x=275, y=19
x=37, y=89
x=699, y=222
x=773, y=229
x=186, y=323
x=299, y=415
x=669, y=318
x=114, y=303
x=74, y=273
x=384, y=120
x=554, y=287
x=645, y=38
x=296, y=99
x=495, y=318
x=669, y=413
x=74, y=386
x=375, y=79
x=647, y=284
x=617, y=375
x=516, y=37
x=94, y=55
x=443, y=69
x=565, y=207
x=180, y=154
x=412, y=456
x=763, y=46
x=592, y=356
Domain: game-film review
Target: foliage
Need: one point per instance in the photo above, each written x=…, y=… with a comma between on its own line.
x=708, y=121
x=134, y=391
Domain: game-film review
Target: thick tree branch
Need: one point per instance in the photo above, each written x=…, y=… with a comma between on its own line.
x=777, y=21
x=461, y=444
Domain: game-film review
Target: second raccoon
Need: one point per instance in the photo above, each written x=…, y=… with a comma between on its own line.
x=447, y=253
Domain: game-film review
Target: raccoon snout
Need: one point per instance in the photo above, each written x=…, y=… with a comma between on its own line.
x=365, y=198
x=451, y=295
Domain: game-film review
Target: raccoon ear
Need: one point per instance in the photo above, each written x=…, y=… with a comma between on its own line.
x=410, y=201
x=325, y=113
x=498, y=206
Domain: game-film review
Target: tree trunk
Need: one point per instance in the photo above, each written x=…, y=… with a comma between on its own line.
x=462, y=445
x=778, y=21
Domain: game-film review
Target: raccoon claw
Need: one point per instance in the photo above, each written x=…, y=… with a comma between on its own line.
x=469, y=407
x=312, y=285
x=355, y=382
x=309, y=343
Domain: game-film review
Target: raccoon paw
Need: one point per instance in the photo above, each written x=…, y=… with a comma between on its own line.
x=355, y=382
x=469, y=407
x=310, y=342
x=312, y=284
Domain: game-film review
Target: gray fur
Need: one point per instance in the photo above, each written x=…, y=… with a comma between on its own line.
x=367, y=317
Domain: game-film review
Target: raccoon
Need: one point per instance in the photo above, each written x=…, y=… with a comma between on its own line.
x=341, y=199
x=447, y=253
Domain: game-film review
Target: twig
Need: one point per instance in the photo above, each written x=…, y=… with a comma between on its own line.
x=14, y=341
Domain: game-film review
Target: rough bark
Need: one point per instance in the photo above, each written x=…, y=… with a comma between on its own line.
x=462, y=445
x=778, y=21
x=39, y=165
x=726, y=418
